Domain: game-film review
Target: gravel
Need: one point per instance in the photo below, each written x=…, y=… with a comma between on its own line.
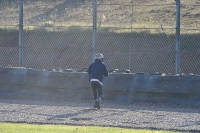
x=182, y=118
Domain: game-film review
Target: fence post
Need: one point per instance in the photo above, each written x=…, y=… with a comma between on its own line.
x=53, y=37
x=20, y=31
x=94, y=32
x=177, y=36
x=130, y=48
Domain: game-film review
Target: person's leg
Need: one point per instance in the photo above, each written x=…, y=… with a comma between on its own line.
x=94, y=89
x=100, y=91
x=94, y=85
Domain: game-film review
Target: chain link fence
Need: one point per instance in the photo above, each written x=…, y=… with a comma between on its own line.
x=136, y=35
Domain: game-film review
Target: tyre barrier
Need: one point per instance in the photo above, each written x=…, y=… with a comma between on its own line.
x=121, y=87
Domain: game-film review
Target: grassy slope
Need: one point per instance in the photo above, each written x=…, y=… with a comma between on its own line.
x=110, y=13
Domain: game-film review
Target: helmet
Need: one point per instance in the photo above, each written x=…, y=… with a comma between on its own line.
x=99, y=56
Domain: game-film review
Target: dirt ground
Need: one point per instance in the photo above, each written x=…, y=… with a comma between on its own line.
x=80, y=112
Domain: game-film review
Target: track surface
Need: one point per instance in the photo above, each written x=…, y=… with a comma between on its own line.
x=79, y=112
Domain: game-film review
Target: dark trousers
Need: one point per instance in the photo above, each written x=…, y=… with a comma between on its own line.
x=97, y=89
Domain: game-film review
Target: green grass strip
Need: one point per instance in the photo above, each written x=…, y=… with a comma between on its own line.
x=36, y=128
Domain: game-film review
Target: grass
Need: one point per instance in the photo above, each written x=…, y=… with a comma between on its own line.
x=33, y=128
x=111, y=13
x=119, y=16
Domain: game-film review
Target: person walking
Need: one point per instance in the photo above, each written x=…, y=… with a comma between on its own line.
x=96, y=71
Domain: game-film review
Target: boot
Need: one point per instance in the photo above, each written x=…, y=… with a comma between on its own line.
x=96, y=104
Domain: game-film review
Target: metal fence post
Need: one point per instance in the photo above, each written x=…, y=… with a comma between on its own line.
x=94, y=32
x=130, y=50
x=53, y=48
x=20, y=31
x=177, y=36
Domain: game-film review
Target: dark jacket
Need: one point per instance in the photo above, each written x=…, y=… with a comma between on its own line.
x=97, y=70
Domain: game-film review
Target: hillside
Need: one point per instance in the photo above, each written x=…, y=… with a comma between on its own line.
x=114, y=13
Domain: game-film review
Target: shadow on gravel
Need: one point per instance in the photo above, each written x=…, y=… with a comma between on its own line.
x=72, y=116
x=109, y=105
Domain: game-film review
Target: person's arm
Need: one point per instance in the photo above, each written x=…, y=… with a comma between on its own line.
x=89, y=71
x=105, y=72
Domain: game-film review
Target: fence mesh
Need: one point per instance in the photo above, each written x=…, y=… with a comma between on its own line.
x=141, y=37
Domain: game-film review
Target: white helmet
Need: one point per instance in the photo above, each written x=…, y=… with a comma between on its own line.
x=99, y=56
